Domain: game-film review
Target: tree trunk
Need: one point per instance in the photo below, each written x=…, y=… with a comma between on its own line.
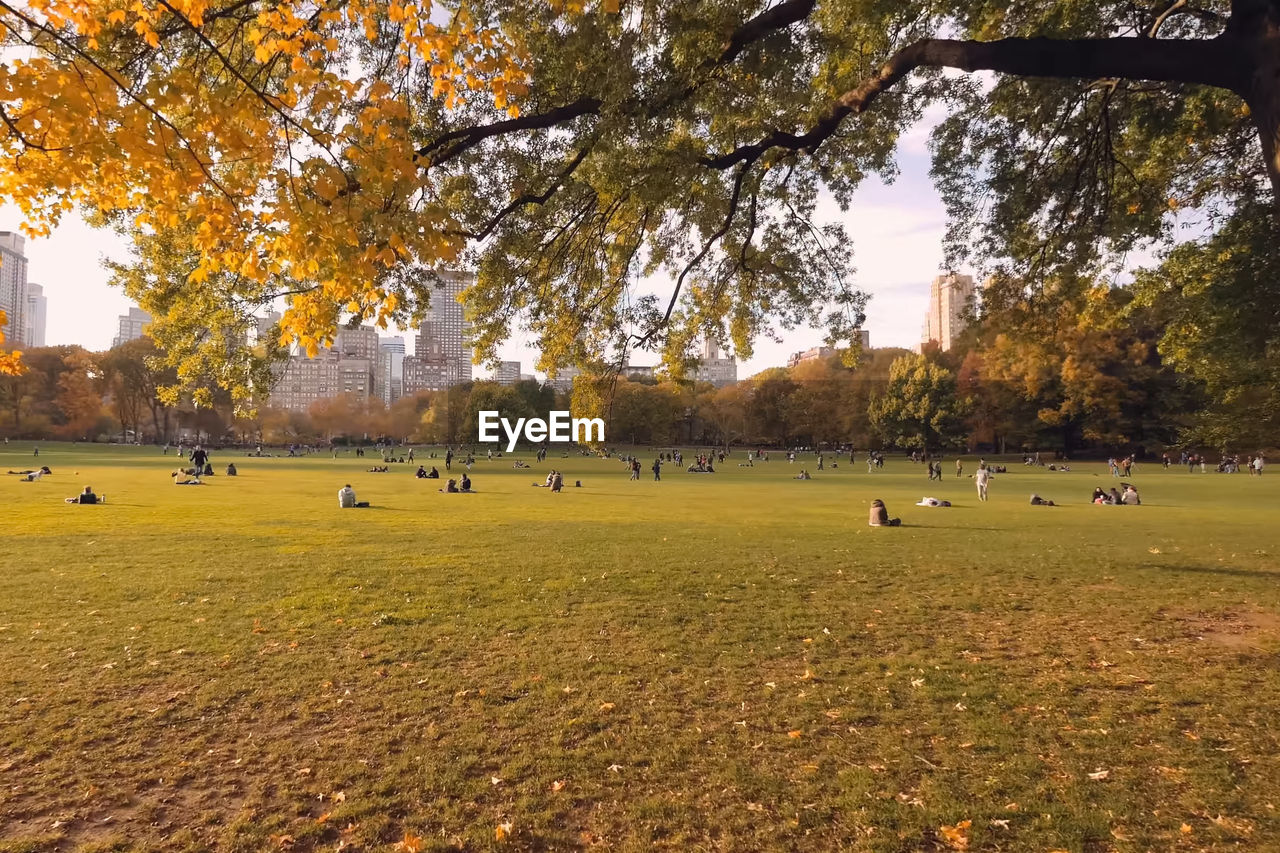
x=1262, y=90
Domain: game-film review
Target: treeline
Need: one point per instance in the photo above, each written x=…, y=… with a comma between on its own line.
x=1087, y=373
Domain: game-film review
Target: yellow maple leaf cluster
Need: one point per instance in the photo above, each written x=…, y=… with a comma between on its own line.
x=268, y=127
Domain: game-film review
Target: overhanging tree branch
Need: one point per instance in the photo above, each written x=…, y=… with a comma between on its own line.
x=1209, y=62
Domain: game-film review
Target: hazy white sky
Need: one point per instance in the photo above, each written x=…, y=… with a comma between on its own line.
x=897, y=243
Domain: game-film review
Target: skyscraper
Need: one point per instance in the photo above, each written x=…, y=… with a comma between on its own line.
x=441, y=357
x=13, y=287
x=36, y=315
x=950, y=301
x=393, y=347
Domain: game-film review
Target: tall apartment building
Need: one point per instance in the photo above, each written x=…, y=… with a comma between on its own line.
x=13, y=287
x=714, y=366
x=441, y=357
x=132, y=326
x=950, y=302
x=355, y=364
x=36, y=316
x=394, y=349
x=507, y=373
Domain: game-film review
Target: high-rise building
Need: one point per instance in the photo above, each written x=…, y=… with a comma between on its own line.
x=394, y=349
x=507, y=373
x=950, y=303
x=441, y=357
x=13, y=287
x=714, y=366
x=355, y=364
x=36, y=316
x=132, y=326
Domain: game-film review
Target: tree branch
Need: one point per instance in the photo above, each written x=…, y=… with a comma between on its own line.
x=528, y=198
x=1209, y=62
x=769, y=21
x=469, y=137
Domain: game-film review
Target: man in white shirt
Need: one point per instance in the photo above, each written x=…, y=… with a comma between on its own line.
x=981, y=478
x=346, y=497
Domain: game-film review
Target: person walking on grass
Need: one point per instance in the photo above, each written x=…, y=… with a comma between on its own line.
x=981, y=479
x=657, y=470
x=959, y=469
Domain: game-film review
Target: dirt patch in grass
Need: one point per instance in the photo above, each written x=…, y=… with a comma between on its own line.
x=1256, y=629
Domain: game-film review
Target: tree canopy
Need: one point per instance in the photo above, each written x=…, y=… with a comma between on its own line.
x=336, y=152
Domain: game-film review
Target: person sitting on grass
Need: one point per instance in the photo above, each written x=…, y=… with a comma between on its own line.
x=1036, y=500
x=465, y=485
x=1115, y=498
x=557, y=481
x=231, y=469
x=451, y=486
x=187, y=478
x=421, y=473
x=880, y=516
x=1130, y=496
x=1099, y=496
x=803, y=475
x=87, y=497
x=347, y=498
x=520, y=463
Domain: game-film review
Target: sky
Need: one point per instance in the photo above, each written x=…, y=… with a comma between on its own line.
x=896, y=232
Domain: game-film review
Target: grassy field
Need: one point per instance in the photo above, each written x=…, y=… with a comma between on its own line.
x=727, y=662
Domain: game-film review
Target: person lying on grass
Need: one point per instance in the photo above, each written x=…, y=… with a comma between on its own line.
x=33, y=473
x=187, y=479
x=880, y=516
x=87, y=497
x=1036, y=500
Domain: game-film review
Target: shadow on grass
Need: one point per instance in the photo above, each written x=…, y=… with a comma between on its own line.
x=1214, y=570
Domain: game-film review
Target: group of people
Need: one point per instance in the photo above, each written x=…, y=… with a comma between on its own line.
x=1115, y=497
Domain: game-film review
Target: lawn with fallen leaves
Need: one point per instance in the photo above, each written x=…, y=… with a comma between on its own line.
x=713, y=662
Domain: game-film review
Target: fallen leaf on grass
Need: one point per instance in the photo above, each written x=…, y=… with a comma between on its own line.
x=607, y=706
x=502, y=831
x=794, y=733
x=324, y=817
x=999, y=824
x=303, y=771
x=956, y=837
x=1099, y=775
x=339, y=797
x=557, y=785
x=494, y=780
x=1186, y=829
x=284, y=842
x=409, y=844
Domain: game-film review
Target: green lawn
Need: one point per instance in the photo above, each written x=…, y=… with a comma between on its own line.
x=728, y=662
